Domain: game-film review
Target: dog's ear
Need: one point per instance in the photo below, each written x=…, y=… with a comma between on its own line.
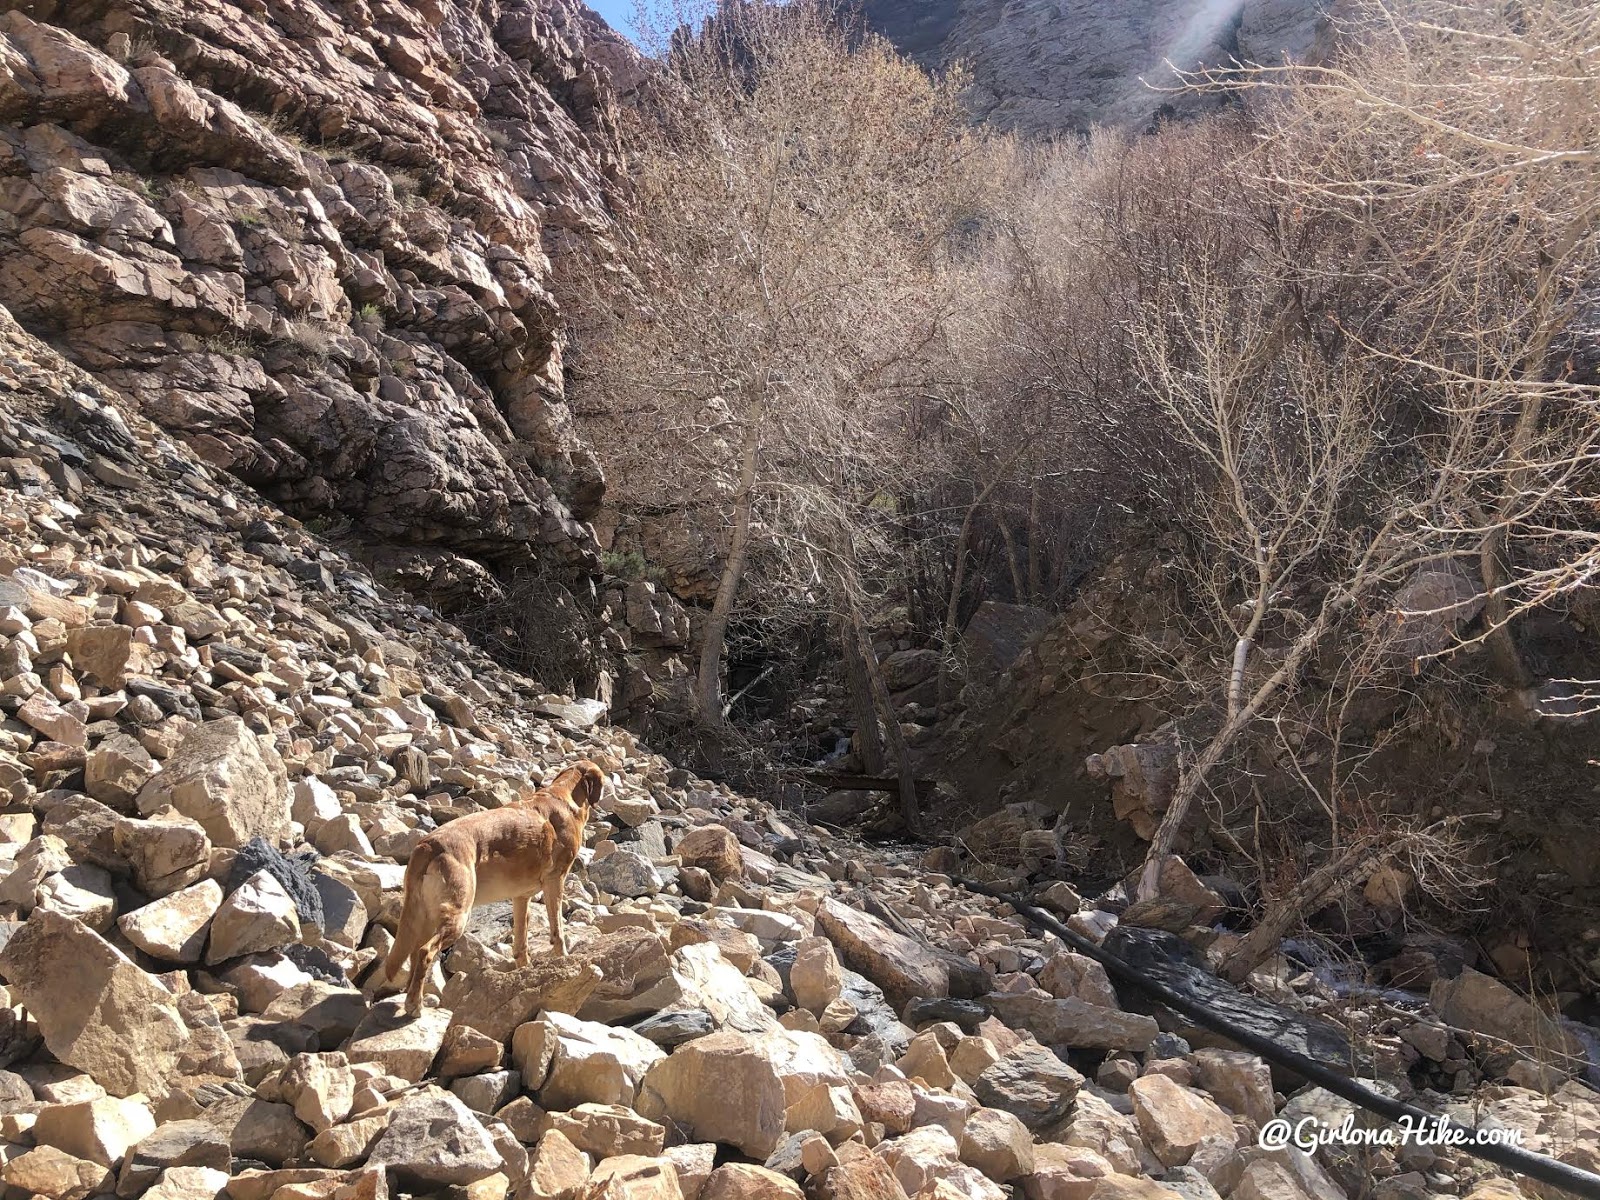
x=591, y=784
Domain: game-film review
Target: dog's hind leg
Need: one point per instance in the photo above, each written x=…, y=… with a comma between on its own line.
x=447, y=889
x=554, y=885
x=452, y=925
x=421, y=968
x=410, y=931
x=519, y=928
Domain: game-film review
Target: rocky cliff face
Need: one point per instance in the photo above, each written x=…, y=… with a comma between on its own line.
x=313, y=241
x=1049, y=66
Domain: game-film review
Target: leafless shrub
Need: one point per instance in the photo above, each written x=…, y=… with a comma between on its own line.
x=1322, y=344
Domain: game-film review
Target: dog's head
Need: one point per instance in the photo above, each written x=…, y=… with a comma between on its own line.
x=582, y=783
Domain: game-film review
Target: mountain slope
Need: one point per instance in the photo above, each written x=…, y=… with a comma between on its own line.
x=1056, y=66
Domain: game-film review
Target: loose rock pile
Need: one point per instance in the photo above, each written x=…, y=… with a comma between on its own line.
x=221, y=742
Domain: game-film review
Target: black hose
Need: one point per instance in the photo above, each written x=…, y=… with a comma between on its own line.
x=1535, y=1166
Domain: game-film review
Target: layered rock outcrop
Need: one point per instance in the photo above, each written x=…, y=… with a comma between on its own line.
x=1053, y=66
x=314, y=242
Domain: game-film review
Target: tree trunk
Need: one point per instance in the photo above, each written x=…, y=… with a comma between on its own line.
x=862, y=701
x=958, y=578
x=708, y=684
x=910, y=812
x=1502, y=646
x=1035, y=583
x=1017, y=594
x=1317, y=890
x=1192, y=778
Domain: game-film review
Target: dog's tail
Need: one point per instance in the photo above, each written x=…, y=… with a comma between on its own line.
x=411, y=931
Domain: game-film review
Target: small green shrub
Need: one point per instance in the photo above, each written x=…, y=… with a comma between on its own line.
x=232, y=344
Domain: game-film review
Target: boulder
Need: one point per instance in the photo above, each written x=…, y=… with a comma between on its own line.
x=1031, y=1084
x=815, y=978
x=115, y=770
x=42, y=857
x=925, y=1059
x=1239, y=1080
x=558, y=1170
x=189, y=1183
x=998, y=633
x=904, y=669
x=605, y=1130
x=971, y=1057
x=1473, y=1000
x=998, y=1144
x=906, y=970
x=101, y=1130
x=465, y=1051
x=314, y=803
x=1076, y=1023
x=82, y=892
x=495, y=1002
x=51, y=1174
x=636, y=976
x=626, y=873
x=486, y=1091
x=694, y=1162
x=1269, y=1179
x=226, y=778
x=920, y=1158
x=1069, y=976
x=348, y=1144
x=866, y=1177
x=293, y=875
x=56, y=723
x=1131, y=1187
x=1064, y=1173
x=161, y=855
x=260, y=1129
x=175, y=1144
x=174, y=928
x=96, y=1010
x=892, y=1104
x=589, y=1063
x=633, y=1177
x=101, y=653
x=434, y=1139
x=258, y=916
x=1174, y=1119
x=321, y=1087
x=712, y=849
x=745, y=1181
x=402, y=1046
x=722, y=1088
x=1430, y=608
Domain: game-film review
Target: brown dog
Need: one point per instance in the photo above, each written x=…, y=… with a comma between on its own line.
x=504, y=854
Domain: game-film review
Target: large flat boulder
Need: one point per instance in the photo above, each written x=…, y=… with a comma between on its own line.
x=496, y=1002
x=748, y=1090
x=1473, y=1000
x=1073, y=1022
x=435, y=1139
x=905, y=969
x=96, y=1010
x=226, y=778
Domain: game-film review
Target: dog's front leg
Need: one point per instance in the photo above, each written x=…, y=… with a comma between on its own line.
x=552, y=906
x=519, y=928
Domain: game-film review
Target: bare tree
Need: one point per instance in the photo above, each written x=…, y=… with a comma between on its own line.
x=794, y=193
x=1450, y=164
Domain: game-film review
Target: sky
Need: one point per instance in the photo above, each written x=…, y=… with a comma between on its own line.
x=618, y=12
